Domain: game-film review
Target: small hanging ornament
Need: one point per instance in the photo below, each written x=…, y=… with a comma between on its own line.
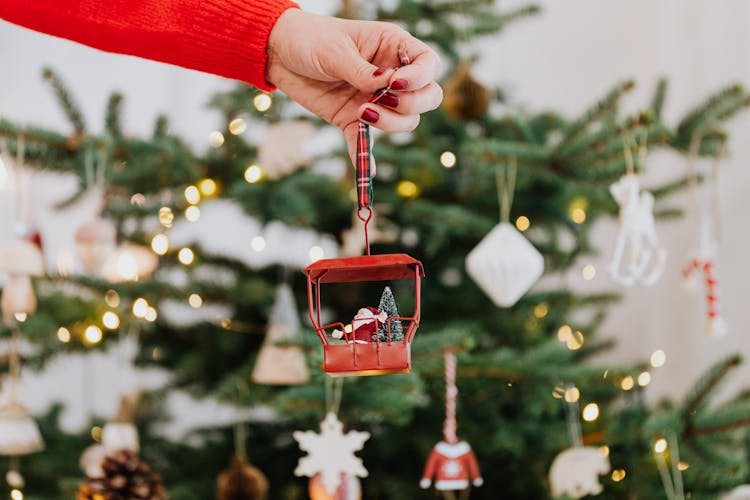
x=19, y=434
x=241, y=481
x=465, y=98
x=638, y=256
x=505, y=264
x=21, y=259
x=705, y=256
x=283, y=150
x=349, y=488
x=575, y=471
x=95, y=241
x=121, y=432
x=124, y=476
x=282, y=364
x=451, y=463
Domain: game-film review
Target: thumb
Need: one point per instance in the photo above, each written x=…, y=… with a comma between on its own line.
x=348, y=64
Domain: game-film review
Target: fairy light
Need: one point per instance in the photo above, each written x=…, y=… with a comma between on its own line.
x=110, y=320
x=564, y=333
x=237, y=126
x=138, y=199
x=407, y=189
x=63, y=335
x=604, y=450
x=195, y=300
x=160, y=244
x=262, y=102
x=258, y=243
x=253, y=173
x=618, y=475
x=92, y=334
x=192, y=195
x=140, y=306
x=658, y=358
x=316, y=253
x=112, y=298
x=644, y=379
x=541, y=310
x=590, y=412
x=522, y=223
x=208, y=187
x=683, y=466
x=572, y=395
x=192, y=213
x=588, y=272
x=577, y=210
x=660, y=446
x=185, y=256
x=216, y=139
x=627, y=383
x=150, y=315
x=96, y=433
x=575, y=341
x=20, y=317
x=16, y=494
x=166, y=217
x=448, y=159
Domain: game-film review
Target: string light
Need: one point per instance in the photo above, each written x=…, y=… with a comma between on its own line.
x=237, y=126
x=541, y=310
x=150, y=314
x=195, y=300
x=407, y=189
x=253, y=174
x=185, y=256
x=63, y=334
x=558, y=392
x=572, y=394
x=618, y=475
x=577, y=210
x=644, y=379
x=258, y=243
x=522, y=223
x=216, y=139
x=564, y=333
x=660, y=446
x=683, y=466
x=138, y=199
x=112, y=298
x=160, y=244
x=627, y=383
x=658, y=358
x=92, y=334
x=604, y=450
x=166, y=217
x=192, y=213
x=590, y=412
x=16, y=494
x=192, y=195
x=262, y=102
x=208, y=187
x=448, y=159
x=96, y=433
x=575, y=341
x=110, y=320
x=140, y=306
x=20, y=317
x=316, y=253
x=588, y=272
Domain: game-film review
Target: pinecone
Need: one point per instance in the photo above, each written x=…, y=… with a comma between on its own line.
x=126, y=477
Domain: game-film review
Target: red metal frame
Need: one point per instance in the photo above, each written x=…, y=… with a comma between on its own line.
x=374, y=358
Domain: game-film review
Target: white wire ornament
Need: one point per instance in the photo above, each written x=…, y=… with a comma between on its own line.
x=638, y=257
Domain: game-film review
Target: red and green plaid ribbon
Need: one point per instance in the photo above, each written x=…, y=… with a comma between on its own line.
x=364, y=155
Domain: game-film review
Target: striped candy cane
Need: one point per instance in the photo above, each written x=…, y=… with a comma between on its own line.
x=715, y=324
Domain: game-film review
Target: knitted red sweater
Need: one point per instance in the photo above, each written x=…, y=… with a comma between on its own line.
x=224, y=37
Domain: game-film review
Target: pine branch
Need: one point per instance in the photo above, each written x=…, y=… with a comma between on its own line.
x=112, y=121
x=707, y=383
x=66, y=101
x=660, y=95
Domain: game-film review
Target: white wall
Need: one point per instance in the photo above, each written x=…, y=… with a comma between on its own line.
x=564, y=59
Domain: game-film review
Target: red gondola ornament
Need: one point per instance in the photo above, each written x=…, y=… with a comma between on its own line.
x=354, y=356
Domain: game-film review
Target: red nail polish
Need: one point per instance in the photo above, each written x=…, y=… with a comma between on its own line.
x=370, y=115
x=399, y=84
x=379, y=71
x=388, y=99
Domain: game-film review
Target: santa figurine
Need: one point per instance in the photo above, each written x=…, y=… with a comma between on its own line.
x=364, y=326
x=452, y=465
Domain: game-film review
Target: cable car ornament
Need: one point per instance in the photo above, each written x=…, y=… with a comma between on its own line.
x=362, y=350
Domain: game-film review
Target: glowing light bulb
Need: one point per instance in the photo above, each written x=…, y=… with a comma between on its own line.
x=683, y=466
x=572, y=394
x=577, y=210
x=110, y=320
x=253, y=174
x=92, y=334
x=160, y=244
x=658, y=358
x=237, y=126
x=216, y=139
x=192, y=213
x=627, y=383
x=660, y=446
x=564, y=333
x=604, y=451
x=644, y=379
x=208, y=187
x=140, y=306
x=192, y=195
x=63, y=335
x=258, y=243
x=448, y=159
x=575, y=341
x=541, y=310
x=166, y=217
x=20, y=317
x=185, y=256
x=588, y=272
x=522, y=223
x=262, y=102
x=618, y=475
x=150, y=314
x=16, y=494
x=96, y=433
x=316, y=253
x=407, y=189
x=590, y=412
x=195, y=300
x=112, y=298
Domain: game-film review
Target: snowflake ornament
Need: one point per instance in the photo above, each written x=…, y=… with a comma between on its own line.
x=331, y=452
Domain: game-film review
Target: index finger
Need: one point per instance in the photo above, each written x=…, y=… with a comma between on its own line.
x=424, y=68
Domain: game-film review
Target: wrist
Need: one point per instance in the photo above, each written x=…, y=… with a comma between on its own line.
x=281, y=36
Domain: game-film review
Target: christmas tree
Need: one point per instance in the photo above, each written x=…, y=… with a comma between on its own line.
x=522, y=370
x=388, y=304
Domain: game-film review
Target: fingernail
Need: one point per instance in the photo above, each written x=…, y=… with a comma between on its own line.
x=388, y=99
x=399, y=84
x=379, y=71
x=370, y=115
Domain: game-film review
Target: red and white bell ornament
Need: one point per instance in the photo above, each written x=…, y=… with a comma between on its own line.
x=20, y=259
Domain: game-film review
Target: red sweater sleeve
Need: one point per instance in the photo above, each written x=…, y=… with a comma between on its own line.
x=224, y=37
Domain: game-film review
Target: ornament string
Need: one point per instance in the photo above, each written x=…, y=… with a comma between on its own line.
x=451, y=393
x=364, y=164
x=334, y=389
x=240, y=439
x=505, y=179
x=574, y=423
x=671, y=480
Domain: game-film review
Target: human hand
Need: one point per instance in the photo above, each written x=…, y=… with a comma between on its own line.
x=333, y=67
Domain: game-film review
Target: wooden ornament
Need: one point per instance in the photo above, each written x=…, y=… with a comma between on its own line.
x=465, y=98
x=241, y=481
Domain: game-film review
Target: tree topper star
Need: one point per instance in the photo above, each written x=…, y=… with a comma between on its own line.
x=331, y=452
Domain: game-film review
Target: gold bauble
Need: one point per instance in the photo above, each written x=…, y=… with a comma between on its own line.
x=241, y=481
x=465, y=98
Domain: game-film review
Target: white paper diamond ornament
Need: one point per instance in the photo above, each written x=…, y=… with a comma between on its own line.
x=505, y=264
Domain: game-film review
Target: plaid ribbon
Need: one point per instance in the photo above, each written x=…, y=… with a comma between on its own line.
x=364, y=154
